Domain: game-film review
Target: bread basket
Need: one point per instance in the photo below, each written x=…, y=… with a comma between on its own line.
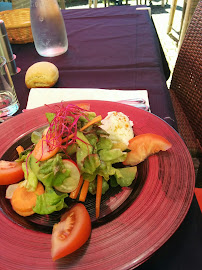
x=18, y=25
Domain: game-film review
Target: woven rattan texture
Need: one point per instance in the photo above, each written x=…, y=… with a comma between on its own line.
x=186, y=82
x=184, y=128
x=18, y=25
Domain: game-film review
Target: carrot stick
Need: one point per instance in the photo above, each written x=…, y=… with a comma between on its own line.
x=23, y=201
x=85, y=106
x=93, y=121
x=84, y=191
x=42, y=151
x=74, y=194
x=19, y=149
x=98, y=195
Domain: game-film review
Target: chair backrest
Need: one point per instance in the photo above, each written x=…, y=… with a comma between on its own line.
x=190, y=6
x=187, y=75
x=61, y=4
x=20, y=4
x=26, y=4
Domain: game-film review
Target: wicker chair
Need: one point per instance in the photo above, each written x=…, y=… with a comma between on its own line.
x=20, y=4
x=61, y=4
x=187, y=12
x=138, y=2
x=26, y=4
x=186, y=88
x=189, y=7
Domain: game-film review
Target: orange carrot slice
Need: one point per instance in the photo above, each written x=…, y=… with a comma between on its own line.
x=93, y=121
x=98, y=195
x=25, y=213
x=85, y=106
x=23, y=201
x=19, y=149
x=84, y=191
x=74, y=194
x=43, y=151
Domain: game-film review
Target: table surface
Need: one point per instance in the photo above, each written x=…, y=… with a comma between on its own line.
x=117, y=48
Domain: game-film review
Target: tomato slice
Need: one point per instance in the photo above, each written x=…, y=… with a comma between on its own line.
x=10, y=172
x=144, y=145
x=71, y=182
x=71, y=232
x=43, y=150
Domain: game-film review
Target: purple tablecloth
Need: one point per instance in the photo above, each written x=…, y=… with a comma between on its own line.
x=112, y=48
x=117, y=48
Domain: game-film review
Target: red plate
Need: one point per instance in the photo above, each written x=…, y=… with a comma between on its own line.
x=134, y=221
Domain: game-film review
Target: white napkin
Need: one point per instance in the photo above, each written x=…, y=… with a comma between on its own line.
x=40, y=96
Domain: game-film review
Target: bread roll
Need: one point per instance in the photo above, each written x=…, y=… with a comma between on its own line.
x=41, y=74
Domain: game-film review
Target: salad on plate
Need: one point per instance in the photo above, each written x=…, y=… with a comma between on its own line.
x=76, y=154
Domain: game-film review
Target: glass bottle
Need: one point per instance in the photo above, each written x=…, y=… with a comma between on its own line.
x=48, y=28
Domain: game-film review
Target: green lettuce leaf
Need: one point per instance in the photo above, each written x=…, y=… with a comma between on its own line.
x=83, y=150
x=113, y=182
x=36, y=136
x=105, y=186
x=92, y=138
x=71, y=149
x=32, y=181
x=93, y=187
x=51, y=172
x=89, y=177
x=125, y=176
x=104, y=143
x=111, y=155
x=91, y=163
x=106, y=169
x=89, y=116
x=50, y=117
x=24, y=155
x=49, y=202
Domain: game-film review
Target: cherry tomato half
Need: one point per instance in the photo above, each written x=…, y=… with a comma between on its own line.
x=71, y=232
x=10, y=172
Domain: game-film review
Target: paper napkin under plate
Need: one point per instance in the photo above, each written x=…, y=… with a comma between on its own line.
x=41, y=96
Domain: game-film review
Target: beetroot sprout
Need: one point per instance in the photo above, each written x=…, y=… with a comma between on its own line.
x=64, y=125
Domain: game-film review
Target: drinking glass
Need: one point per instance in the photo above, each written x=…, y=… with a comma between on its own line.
x=9, y=103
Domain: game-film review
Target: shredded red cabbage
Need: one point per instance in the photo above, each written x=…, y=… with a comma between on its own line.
x=64, y=125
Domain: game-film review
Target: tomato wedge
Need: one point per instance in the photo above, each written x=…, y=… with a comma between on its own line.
x=10, y=172
x=71, y=232
x=43, y=150
x=144, y=145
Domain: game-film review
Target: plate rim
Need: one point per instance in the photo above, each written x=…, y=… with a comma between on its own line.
x=37, y=110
